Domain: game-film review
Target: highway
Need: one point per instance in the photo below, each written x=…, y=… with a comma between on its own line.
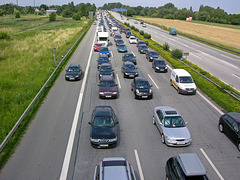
x=57, y=145
x=223, y=65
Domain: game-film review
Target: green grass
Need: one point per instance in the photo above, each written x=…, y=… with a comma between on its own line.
x=26, y=62
x=224, y=100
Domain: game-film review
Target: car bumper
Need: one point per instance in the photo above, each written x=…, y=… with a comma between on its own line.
x=178, y=143
x=72, y=78
x=161, y=70
x=143, y=96
x=104, y=145
x=130, y=75
x=108, y=96
x=183, y=91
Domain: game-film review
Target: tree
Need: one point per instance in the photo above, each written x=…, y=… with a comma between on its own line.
x=130, y=12
x=52, y=17
x=67, y=13
x=43, y=6
x=76, y=16
x=17, y=14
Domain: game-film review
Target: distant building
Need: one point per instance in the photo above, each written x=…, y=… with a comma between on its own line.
x=36, y=10
x=50, y=11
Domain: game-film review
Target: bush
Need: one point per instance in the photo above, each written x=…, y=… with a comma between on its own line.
x=4, y=35
x=177, y=53
x=136, y=29
x=147, y=36
x=52, y=17
x=1, y=12
x=67, y=13
x=76, y=16
x=142, y=32
x=133, y=27
x=17, y=14
x=166, y=46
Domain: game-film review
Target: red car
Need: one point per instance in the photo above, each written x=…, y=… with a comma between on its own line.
x=97, y=46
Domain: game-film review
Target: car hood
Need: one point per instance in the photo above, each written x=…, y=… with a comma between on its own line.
x=177, y=133
x=108, y=89
x=161, y=66
x=188, y=85
x=103, y=132
x=130, y=71
x=72, y=73
x=143, y=90
x=154, y=56
x=130, y=59
x=106, y=72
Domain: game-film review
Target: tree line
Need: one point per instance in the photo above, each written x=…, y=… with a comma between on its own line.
x=169, y=11
x=66, y=10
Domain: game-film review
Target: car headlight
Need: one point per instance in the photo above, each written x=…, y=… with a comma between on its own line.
x=136, y=73
x=150, y=90
x=114, y=92
x=101, y=53
x=101, y=93
x=112, y=140
x=137, y=91
x=157, y=67
x=126, y=74
x=166, y=67
x=151, y=57
x=94, y=140
x=169, y=138
x=67, y=76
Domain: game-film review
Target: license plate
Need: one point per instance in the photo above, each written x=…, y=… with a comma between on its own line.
x=144, y=96
x=161, y=69
x=108, y=96
x=131, y=75
x=190, y=91
x=103, y=145
x=180, y=143
x=71, y=78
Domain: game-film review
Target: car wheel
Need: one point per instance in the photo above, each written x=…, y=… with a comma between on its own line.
x=163, y=138
x=166, y=177
x=154, y=122
x=178, y=90
x=220, y=127
x=238, y=146
x=136, y=96
x=171, y=83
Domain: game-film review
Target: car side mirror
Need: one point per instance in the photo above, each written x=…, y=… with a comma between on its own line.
x=90, y=123
x=116, y=84
x=113, y=70
x=136, y=67
x=151, y=85
x=98, y=84
x=186, y=123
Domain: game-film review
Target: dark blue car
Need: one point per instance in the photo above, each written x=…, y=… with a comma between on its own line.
x=104, y=50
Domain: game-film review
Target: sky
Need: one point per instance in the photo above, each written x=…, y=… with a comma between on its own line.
x=229, y=6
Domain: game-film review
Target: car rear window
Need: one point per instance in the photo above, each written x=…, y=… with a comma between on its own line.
x=114, y=163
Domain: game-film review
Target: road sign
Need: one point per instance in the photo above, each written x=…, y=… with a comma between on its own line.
x=116, y=9
x=122, y=10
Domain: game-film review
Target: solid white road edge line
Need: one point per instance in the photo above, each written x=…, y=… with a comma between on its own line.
x=139, y=165
x=211, y=163
x=119, y=85
x=68, y=153
x=153, y=81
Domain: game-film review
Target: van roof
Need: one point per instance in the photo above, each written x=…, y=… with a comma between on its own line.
x=191, y=164
x=181, y=72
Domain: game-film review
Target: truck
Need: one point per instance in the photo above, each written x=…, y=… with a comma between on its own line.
x=103, y=38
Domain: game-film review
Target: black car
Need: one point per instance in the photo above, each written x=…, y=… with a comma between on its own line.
x=102, y=59
x=229, y=124
x=128, y=34
x=129, y=57
x=129, y=70
x=141, y=88
x=119, y=41
x=159, y=65
x=141, y=42
x=117, y=36
x=104, y=127
x=142, y=48
x=73, y=72
x=151, y=54
x=106, y=69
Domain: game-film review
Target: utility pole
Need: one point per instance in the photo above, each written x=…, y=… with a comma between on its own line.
x=17, y=2
x=33, y=3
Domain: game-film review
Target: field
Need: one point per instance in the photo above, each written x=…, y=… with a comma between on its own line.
x=26, y=60
x=228, y=35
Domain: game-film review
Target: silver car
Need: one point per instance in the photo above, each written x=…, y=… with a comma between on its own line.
x=171, y=126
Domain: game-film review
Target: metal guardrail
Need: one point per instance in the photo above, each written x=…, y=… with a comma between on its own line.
x=5, y=141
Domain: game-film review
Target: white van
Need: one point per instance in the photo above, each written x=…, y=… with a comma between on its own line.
x=183, y=81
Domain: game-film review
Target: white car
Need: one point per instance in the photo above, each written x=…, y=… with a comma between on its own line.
x=132, y=40
x=144, y=25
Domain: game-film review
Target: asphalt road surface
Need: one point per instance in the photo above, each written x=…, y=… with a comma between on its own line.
x=48, y=151
x=221, y=64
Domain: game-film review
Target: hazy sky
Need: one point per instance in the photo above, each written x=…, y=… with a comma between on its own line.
x=230, y=6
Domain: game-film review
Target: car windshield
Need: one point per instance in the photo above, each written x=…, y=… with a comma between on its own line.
x=103, y=122
x=73, y=69
x=174, y=122
x=119, y=41
x=103, y=38
x=143, y=47
x=106, y=68
x=128, y=67
x=153, y=53
x=132, y=37
x=107, y=84
x=121, y=46
x=186, y=79
x=142, y=84
x=104, y=49
x=160, y=63
x=98, y=45
x=129, y=55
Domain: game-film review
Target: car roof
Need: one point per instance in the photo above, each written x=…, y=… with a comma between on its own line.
x=128, y=53
x=98, y=43
x=235, y=116
x=158, y=60
x=105, y=64
x=140, y=79
x=103, y=111
x=151, y=50
x=181, y=72
x=74, y=65
x=104, y=47
x=128, y=63
x=141, y=41
x=191, y=164
x=107, y=78
x=167, y=111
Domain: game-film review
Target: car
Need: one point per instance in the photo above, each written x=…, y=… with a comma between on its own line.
x=104, y=127
x=171, y=126
x=128, y=34
x=185, y=166
x=141, y=88
x=141, y=22
x=122, y=48
x=135, y=22
x=142, y=48
x=144, y=25
x=129, y=70
x=126, y=30
x=129, y=56
x=97, y=46
x=141, y=42
x=151, y=54
x=173, y=31
x=229, y=124
x=102, y=59
x=132, y=40
x=114, y=168
x=117, y=36
x=159, y=65
x=94, y=23
x=119, y=41
x=73, y=72
x=107, y=87
x=106, y=69
x=104, y=50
